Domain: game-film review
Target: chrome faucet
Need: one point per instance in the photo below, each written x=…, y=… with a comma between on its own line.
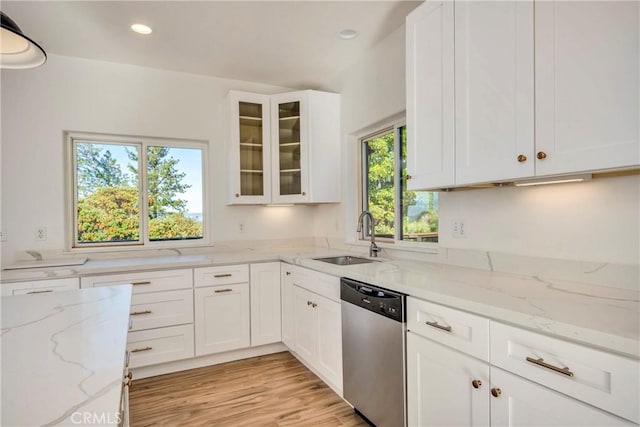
x=373, y=248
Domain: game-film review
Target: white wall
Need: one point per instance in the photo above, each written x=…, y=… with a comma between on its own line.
x=84, y=95
x=370, y=91
x=593, y=221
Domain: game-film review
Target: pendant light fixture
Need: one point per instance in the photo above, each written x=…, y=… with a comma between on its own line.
x=16, y=49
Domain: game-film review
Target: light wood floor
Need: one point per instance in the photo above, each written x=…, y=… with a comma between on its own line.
x=272, y=390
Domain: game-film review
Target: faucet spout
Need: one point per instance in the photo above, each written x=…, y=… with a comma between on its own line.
x=373, y=248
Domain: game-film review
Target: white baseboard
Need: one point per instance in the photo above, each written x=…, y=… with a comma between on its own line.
x=209, y=360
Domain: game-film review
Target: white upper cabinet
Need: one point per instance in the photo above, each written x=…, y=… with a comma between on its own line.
x=305, y=147
x=587, y=85
x=284, y=148
x=493, y=91
x=540, y=88
x=249, y=150
x=430, y=110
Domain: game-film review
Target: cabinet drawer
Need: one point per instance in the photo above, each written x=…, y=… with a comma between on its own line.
x=40, y=286
x=222, y=275
x=320, y=283
x=465, y=332
x=150, y=281
x=160, y=345
x=599, y=378
x=159, y=309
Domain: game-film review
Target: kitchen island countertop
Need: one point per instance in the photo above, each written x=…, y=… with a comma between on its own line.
x=63, y=356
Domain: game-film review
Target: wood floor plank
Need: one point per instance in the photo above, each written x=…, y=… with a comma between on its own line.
x=275, y=390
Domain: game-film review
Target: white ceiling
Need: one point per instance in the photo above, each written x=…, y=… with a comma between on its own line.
x=285, y=43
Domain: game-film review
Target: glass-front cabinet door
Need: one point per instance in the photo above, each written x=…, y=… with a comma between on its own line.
x=289, y=139
x=249, y=153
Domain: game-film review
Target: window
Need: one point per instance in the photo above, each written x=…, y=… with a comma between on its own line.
x=136, y=191
x=400, y=214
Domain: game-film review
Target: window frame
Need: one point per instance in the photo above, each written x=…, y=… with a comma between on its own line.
x=392, y=125
x=144, y=243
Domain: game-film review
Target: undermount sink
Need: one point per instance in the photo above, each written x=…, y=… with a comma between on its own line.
x=345, y=260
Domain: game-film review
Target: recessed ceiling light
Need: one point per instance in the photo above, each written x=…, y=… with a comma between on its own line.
x=141, y=29
x=348, y=34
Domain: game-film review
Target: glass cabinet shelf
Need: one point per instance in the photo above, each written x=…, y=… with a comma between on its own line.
x=251, y=128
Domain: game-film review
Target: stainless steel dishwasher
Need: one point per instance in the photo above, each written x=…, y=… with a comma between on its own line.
x=373, y=355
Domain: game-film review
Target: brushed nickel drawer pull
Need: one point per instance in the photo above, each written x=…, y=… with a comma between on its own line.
x=147, y=282
x=439, y=326
x=137, y=313
x=136, y=350
x=540, y=362
x=217, y=291
x=40, y=292
x=218, y=276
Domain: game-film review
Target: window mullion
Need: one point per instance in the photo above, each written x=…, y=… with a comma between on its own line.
x=142, y=188
x=397, y=149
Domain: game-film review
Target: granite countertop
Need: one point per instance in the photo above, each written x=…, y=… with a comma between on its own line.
x=600, y=316
x=63, y=356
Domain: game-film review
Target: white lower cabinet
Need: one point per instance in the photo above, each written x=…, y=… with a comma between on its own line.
x=330, y=340
x=525, y=403
x=551, y=382
x=318, y=333
x=161, y=317
x=160, y=309
x=312, y=320
x=286, y=302
x=153, y=346
x=35, y=287
x=445, y=387
x=222, y=318
x=306, y=324
x=265, y=303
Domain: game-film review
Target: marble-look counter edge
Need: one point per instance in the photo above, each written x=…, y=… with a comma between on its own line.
x=520, y=314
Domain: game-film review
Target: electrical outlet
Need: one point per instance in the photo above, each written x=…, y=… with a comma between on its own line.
x=3, y=236
x=459, y=230
x=241, y=228
x=41, y=234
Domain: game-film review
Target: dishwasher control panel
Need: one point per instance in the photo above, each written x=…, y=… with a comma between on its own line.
x=379, y=300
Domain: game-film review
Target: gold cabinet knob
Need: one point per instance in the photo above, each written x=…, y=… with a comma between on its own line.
x=476, y=383
x=304, y=194
x=237, y=194
x=522, y=158
x=541, y=155
x=495, y=392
